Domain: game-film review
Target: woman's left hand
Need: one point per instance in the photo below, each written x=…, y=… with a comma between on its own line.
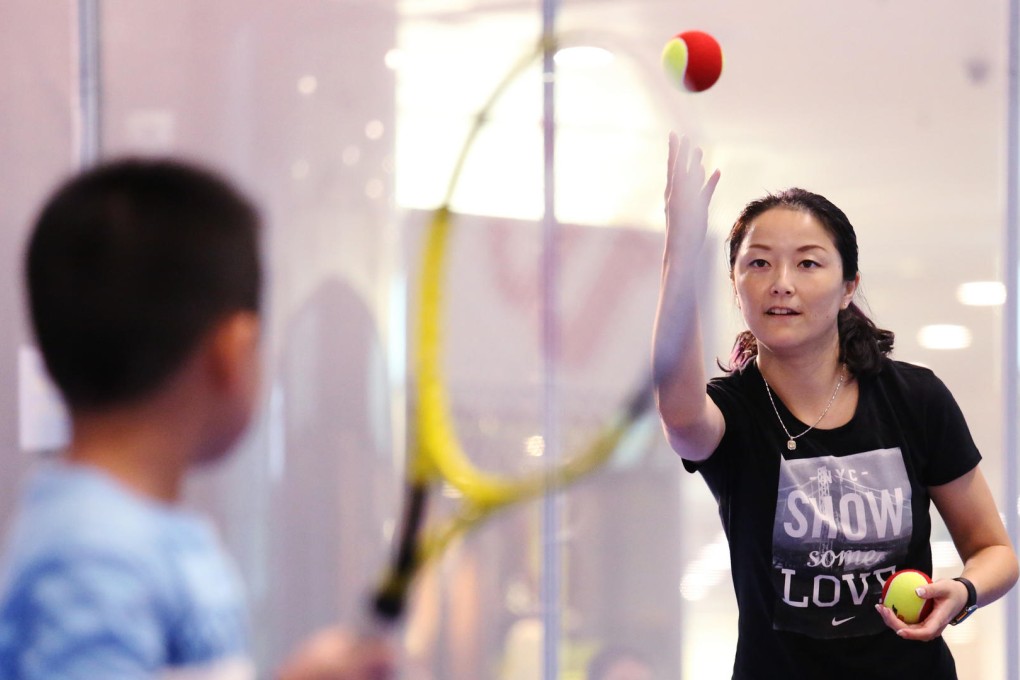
x=949, y=598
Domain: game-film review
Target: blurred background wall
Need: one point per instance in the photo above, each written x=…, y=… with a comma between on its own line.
x=345, y=118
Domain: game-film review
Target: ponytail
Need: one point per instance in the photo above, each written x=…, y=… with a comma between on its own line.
x=745, y=349
x=862, y=344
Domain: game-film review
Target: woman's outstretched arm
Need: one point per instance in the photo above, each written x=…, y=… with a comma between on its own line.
x=691, y=420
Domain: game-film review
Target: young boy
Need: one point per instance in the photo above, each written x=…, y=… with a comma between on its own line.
x=143, y=282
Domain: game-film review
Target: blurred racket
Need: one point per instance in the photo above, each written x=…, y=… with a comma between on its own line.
x=436, y=456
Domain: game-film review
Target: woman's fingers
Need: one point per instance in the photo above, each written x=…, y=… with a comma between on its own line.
x=674, y=143
x=709, y=190
x=688, y=194
x=685, y=166
x=683, y=151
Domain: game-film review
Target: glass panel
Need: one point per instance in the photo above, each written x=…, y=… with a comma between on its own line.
x=346, y=119
x=38, y=87
x=295, y=101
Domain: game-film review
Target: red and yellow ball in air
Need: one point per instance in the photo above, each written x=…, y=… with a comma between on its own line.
x=693, y=60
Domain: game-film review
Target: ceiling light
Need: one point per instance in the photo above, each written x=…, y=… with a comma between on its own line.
x=535, y=446
x=981, y=293
x=307, y=85
x=351, y=155
x=374, y=188
x=583, y=56
x=374, y=129
x=944, y=336
x=395, y=58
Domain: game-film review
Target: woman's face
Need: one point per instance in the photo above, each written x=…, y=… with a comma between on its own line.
x=788, y=278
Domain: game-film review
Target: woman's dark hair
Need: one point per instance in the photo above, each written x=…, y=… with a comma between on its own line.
x=862, y=344
x=129, y=265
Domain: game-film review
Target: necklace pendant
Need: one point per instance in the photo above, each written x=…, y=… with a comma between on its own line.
x=791, y=445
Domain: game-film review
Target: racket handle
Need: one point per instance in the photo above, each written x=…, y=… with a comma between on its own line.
x=385, y=606
x=373, y=623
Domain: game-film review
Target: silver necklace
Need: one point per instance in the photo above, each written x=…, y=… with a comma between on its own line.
x=791, y=442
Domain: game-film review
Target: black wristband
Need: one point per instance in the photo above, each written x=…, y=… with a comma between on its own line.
x=971, y=605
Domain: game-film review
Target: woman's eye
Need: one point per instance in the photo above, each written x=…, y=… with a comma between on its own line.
x=808, y=264
x=757, y=263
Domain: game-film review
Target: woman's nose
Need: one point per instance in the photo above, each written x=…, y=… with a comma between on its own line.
x=782, y=283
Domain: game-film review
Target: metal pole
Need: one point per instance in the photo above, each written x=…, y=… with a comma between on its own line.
x=88, y=111
x=1011, y=319
x=550, y=590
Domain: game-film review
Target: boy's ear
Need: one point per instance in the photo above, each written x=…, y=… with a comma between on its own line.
x=233, y=351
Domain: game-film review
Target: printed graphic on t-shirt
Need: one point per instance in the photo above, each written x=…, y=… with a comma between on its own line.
x=842, y=527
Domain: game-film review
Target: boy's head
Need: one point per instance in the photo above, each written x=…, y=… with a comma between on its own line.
x=129, y=267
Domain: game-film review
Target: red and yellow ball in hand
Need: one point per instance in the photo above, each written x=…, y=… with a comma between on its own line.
x=900, y=595
x=693, y=60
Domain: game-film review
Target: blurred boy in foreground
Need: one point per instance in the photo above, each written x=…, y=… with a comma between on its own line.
x=144, y=281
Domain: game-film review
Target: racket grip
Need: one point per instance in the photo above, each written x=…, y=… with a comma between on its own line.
x=374, y=622
x=385, y=606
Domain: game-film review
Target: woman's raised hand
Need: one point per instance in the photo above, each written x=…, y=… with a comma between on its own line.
x=688, y=194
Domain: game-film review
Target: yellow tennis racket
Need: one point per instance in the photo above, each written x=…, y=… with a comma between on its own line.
x=436, y=456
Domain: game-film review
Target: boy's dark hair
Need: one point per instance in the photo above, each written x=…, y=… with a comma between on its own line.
x=128, y=266
x=862, y=344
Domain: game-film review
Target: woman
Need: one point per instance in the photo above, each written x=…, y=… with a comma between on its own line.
x=823, y=453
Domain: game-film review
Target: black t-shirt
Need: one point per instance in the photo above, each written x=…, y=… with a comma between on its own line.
x=814, y=532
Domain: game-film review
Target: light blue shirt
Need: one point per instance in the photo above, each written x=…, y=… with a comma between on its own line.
x=98, y=582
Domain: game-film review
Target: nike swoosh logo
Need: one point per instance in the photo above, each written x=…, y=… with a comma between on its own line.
x=840, y=622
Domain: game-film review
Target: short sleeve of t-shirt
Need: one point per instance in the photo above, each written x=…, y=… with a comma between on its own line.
x=947, y=438
x=733, y=405
x=97, y=582
x=95, y=603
